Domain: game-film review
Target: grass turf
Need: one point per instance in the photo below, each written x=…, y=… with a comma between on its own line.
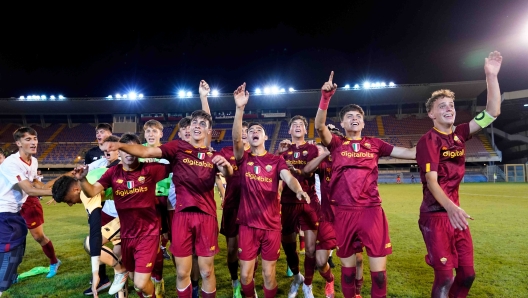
x=499, y=234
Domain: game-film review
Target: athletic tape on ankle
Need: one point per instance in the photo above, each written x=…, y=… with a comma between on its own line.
x=483, y=119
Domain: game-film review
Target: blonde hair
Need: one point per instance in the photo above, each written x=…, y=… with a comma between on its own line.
x=153, y=123
x=437, y=95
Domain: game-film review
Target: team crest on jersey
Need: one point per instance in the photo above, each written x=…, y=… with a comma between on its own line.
x=250, y=163
x=269, y=168
x=130, y=184
x=296, y=155
x=443, y=260
x=188, y=151
x=305, y=153
x=346, y=142
x=232, y=158
x=201, y=155
x=256, y=169
x=456, y=138
x=367, y=145
x=141, y=179
x=355, y=147
x=209, y=154
x=119, y=181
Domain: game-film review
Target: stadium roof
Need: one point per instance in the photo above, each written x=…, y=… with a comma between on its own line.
x=301, y=99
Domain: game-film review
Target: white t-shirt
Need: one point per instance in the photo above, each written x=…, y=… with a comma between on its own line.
x=109, y=205
x=318, y=187
x=12, y=171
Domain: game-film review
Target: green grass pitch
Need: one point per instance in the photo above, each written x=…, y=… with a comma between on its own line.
x=500, y=236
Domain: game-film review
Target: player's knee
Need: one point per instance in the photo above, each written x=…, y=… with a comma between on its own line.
x=310, y=251
x=467, y=281
x=206, y=272
x=267, y=274
x=86, y=244
x=359, y=262
x=246, y=277
x=232, y=254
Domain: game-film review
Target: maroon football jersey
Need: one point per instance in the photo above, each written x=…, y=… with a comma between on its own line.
x=445, y=154
x=299, y=156
x=193, y=175
x=232, y=192
x=135, y=197
x=354, y=180
x=325, y=173
x=259, y=202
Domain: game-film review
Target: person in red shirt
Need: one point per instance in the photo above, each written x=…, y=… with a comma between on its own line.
x=295, y=213
x=194, y=170
x=441, y=158
x=354, y=190
x=229, y=226
x=134, y=190
x=259, y=211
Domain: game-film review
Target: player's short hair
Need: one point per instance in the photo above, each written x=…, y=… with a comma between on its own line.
x=298, y=117
x=129, y=138
x=105, y=126
x=348, y=108
x=111, y=138
x=61, y=187
x=21, y=131
x=437, y=95
x=245, y=124
x=184, y=122
x=202, y=114
x=153, y=123
x=251, y=124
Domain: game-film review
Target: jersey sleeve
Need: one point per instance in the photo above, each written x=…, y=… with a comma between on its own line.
x=462, y=131
x=334, y=143
x=428, y=153
x=312, y=153
x=16, y=173
x=106, y=178
x=282, y=165
x=385, y=149
x=169, y=150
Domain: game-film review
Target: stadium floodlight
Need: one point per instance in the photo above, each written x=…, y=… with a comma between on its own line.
x=214, y=92
x=282, y=90
x=258, y=91
x=61, y=97
x=376, y=85
x=347, y=86
x=125, y=96
x=383, y=84
x=274, y=90
x=189, y=93
x=366, y=85
x=526, y=104
x=291, y=89
x=109, y=97
x=52, y=97
x=132, y=95
x=181, y=93
x=356, y=86
x=140, y=95
x=391, y=84
x=22, y=97
x=118, y=95
x=43, y=97
x=267, y=90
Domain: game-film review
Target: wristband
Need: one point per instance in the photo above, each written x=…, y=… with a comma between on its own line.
x=325, y=99
x=483, y=119
x=95, y=264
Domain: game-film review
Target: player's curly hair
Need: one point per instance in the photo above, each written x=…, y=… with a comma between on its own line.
x=437, y=95
x=61, y=187
x=203, y=114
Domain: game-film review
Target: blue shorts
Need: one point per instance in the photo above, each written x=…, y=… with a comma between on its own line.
x=9, y=262
x=13, y=231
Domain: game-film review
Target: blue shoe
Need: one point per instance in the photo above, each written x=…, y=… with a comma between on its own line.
x=53, y=269
x=289, y=273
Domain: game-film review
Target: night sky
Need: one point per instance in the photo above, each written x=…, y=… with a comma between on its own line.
x=159, y=50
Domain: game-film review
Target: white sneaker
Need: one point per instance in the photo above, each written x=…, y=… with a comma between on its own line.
x=294, y=287
x=118, y=283
x=307, y=290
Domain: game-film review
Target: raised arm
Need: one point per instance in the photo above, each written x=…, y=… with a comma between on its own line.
x=492, y=66
x=203, y=90
x=241, y=99
x=327, y=91
x=294, y=185
x=404, y=153
x=134, y=149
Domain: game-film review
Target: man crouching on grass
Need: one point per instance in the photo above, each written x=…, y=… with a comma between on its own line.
x=134, y=189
